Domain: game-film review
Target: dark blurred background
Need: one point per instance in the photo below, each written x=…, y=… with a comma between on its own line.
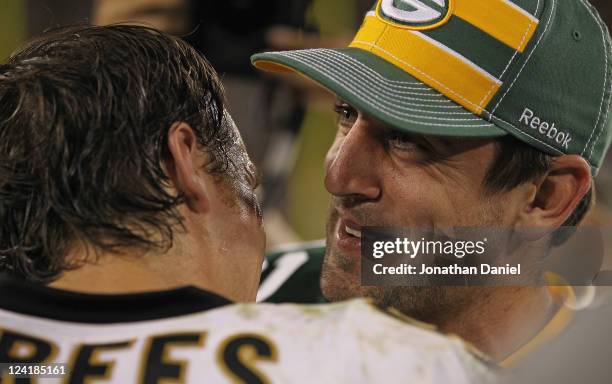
x=287, y=123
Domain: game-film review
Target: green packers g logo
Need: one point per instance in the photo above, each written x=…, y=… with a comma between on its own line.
x=415, y=14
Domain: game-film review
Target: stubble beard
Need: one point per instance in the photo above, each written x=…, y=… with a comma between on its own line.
x=439, y=305
x=339, y=282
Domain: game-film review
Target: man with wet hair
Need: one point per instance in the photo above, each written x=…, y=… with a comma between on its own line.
x=129, y=226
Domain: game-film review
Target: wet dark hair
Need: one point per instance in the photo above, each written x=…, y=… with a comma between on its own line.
x=84, y=117
x=517, y=163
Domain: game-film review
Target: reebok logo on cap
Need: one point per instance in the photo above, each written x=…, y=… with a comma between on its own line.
x=545, y=128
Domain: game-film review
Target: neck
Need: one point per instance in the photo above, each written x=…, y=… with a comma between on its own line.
x=134, y=272
x=504, y=320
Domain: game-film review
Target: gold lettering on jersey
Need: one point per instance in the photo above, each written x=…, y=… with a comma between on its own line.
x=158, y=367
x=238, y=355
x=86, y=365
x=16, y=347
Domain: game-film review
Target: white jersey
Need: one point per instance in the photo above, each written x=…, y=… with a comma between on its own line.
x=351, y=342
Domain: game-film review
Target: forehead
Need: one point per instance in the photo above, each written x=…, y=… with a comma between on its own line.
x=229, y=122
x=240, y=154
x=232, y=129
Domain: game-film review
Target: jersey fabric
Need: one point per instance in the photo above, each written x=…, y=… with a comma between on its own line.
x=189, y=335
x=292, y=274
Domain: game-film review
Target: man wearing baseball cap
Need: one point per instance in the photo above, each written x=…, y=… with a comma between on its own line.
x=459, y=113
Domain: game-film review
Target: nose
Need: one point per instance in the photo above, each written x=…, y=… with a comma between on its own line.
x=351, y=164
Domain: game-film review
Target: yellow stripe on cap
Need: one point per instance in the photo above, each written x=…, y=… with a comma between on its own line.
x=502, y=19
x=434, y=64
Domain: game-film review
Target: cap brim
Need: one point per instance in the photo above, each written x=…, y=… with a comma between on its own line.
x=381, y=90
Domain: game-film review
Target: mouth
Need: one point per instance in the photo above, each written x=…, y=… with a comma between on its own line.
x=352, y=231
x=348, y=236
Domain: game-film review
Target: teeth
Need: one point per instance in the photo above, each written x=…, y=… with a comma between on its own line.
x=352, y=231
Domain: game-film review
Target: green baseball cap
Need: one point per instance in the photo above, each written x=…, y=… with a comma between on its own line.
x=539, y=70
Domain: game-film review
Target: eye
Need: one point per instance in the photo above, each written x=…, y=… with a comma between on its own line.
x=347, y=115
x=404, y=142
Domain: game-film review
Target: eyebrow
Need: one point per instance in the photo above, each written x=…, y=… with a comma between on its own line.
x=444, y=140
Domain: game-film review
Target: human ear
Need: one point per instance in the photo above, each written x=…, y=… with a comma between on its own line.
x=557, y=193
x=181, y=166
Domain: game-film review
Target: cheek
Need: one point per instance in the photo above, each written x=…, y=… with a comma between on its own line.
x=469, y=208
x=237, y=206
x=246, y=201
x=419, y=199
x=464, y=206
x=418, y=204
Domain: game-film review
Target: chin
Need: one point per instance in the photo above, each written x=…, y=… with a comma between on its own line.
x=338, y=284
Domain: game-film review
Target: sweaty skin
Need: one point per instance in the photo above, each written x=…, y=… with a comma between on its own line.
x=379, y=177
